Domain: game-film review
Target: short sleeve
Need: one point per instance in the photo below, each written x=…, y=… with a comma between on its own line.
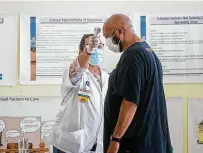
x=129, y=82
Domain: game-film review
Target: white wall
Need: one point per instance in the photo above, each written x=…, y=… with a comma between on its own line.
x=87, y=7
x=99, y=7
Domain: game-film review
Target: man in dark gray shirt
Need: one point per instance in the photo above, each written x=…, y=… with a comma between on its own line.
x=135, y=114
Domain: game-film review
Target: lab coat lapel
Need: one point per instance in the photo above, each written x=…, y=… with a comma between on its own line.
x=95, y=81
x=104, y=77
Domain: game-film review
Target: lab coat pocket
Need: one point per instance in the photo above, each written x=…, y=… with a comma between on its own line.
x=73, y=141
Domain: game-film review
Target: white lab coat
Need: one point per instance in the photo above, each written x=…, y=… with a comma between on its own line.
x=79, y=124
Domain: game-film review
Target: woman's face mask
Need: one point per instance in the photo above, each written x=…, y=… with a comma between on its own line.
x=97, y=57
x=117, y=47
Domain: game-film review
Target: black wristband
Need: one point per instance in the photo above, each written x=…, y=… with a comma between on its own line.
x=115, y=139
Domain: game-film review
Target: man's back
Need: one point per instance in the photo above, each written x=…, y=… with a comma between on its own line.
x=140, y=69
x=151, y=116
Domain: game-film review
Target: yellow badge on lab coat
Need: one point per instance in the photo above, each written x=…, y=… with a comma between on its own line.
x=83, y=96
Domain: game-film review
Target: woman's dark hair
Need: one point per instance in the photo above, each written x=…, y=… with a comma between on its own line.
x=82, y=42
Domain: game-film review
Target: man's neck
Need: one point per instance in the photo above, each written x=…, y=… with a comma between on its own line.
x=131, y=41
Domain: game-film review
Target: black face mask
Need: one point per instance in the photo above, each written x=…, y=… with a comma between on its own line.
x=116, y=41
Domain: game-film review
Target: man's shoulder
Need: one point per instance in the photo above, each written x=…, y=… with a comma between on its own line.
x=134, y=50
x=134, y=54
x=139, y=46
x=141, y=51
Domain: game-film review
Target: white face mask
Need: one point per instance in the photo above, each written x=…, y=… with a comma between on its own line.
x=113, y=47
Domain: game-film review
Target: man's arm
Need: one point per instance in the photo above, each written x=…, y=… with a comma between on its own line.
x=127, y=112
x=130, y=83
x=126, y=115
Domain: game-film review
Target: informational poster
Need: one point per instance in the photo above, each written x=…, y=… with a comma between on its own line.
x=49, y=43
x=178, y=42
x=36, y=115
x=175, y=121
x=8, y=49
x=195, y=125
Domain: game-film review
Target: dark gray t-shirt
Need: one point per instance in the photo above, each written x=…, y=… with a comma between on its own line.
x=138, y=78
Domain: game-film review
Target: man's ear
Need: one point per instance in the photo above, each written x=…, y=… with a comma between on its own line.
x=120, y=31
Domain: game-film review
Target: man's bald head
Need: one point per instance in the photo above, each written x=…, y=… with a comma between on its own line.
x=117, y=21
x=119, y=33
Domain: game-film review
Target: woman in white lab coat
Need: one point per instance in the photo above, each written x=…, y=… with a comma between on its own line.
x=79, y=124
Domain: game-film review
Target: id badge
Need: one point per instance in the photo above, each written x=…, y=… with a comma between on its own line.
x=83, y=95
